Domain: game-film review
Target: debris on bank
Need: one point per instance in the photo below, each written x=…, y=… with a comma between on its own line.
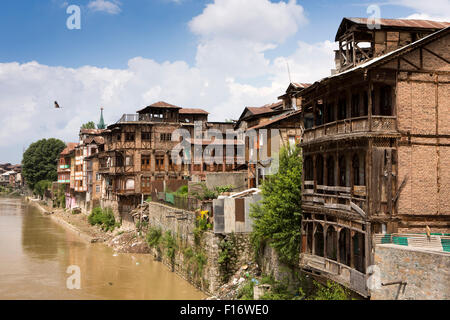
x=231, y=290
x=129, y=242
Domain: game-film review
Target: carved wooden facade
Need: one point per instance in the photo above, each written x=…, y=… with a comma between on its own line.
x=362, y=143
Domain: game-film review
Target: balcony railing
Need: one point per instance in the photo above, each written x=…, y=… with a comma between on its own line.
x=141, y=118
x=338, y=198
x=378, y=124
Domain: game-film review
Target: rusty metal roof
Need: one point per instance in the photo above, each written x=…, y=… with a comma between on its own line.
x=407, y=23
x=160, y=104
x=193, y=111
x=275, y=120
x=91, y=131
x=395, y=23
x=301, y=85
x=69, y=147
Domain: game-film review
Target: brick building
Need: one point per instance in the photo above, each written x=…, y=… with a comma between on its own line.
x=376, y=145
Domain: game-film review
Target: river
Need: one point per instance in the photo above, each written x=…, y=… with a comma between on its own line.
x=35, y=254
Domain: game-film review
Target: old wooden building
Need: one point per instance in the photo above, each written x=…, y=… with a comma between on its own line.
x=376, y=145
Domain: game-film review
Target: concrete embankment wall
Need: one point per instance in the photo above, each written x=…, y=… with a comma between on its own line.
x=182, y=224
x=426, y=273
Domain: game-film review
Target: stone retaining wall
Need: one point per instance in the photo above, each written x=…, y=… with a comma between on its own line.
x=426, y=273
x=182, y=224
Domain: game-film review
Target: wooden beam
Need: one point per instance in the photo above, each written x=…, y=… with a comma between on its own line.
x=410, y=63
x=436, y=55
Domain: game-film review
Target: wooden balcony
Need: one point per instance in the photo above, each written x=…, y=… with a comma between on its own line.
x=346, y=128
x=335, y=198
x=336, y=271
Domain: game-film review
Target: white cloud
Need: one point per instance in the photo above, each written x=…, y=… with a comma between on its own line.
x=111, y=7
x=255, y=20
x=438, y=10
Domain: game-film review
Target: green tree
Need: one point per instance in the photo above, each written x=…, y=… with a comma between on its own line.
x=277, y=218
x=41, y=187
x=40, y=161
x=89, y=125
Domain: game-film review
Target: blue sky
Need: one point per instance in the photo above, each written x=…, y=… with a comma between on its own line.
x=219, y=55
x=156, y=29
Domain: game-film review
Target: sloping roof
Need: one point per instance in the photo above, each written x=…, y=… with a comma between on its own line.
x=97, y=140
x=259, y=110
x=385, y=58
x=301, y=85
x=268, y=108
x=69, y=147
x=160, y=104
x=394, y=23
x=91, y=131
x=192, y=111
x=277, y=119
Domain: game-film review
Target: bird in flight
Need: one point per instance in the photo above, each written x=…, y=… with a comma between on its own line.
x=57, y=105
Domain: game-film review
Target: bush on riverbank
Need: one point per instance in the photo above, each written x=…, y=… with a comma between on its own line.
x=104, y=218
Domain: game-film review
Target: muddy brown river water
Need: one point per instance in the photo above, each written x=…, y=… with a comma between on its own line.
x=35, y=254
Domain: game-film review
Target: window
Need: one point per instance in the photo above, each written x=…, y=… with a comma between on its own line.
x=145, y=162
x=166, y=137
x=98, y=177
x=145, y=136
x=97, y=189
x=159, y=163
x=119, y=137
x=128, y=161
x=129, y=185
x=129, y=136
x=386, y=101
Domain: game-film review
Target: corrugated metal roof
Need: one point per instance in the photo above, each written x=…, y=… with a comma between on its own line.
x=405, y=23
x=193, y=111
x=301, y=85
x=91, y=131
x=394, y=23
x=162, y=104
x=69, y=147
x=277, y=119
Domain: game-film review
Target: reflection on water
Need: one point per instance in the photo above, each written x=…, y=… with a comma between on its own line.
x=35, y=253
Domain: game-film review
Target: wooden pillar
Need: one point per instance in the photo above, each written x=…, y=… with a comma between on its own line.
x=352, y=178
x=325, y=229
x=368, y=248
x=338, y=249
x=314, y=158
x=352, y=254
x=370, y=105
x=152, y=161
x=313, y=251
x=325, y=170
x=336, y=169
x=389, y=180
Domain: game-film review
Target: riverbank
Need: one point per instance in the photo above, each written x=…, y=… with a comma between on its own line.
x=76, y=223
